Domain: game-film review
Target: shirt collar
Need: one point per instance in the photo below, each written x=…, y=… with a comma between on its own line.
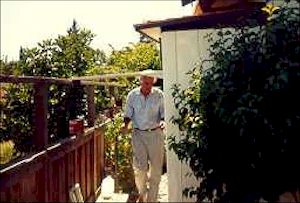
x=140, y=93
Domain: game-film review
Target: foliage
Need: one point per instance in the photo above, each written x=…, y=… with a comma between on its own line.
x=9, y=67
x=67, y=55
x=137, y=57
x=6, y=151
x=16, y=110
x=239, y=119
x=118, y=153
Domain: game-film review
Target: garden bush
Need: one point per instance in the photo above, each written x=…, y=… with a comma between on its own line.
x=118, y=154
x=239, y=119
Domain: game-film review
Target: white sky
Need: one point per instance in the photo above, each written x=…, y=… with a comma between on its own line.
x=24, y=23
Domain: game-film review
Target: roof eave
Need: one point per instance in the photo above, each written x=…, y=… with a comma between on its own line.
x=154, y=33
x=232, y=18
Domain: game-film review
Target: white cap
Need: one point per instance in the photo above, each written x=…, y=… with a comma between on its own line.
x=152, y=73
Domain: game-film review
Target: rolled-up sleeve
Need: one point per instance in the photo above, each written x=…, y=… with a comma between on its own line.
x=129, y=107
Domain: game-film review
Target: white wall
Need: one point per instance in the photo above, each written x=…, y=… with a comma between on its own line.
x=180, y=51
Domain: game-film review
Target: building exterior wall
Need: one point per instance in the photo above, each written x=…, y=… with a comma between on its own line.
x=181, y=50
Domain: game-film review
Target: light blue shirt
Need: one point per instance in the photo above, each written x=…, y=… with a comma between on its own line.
x=145, y=112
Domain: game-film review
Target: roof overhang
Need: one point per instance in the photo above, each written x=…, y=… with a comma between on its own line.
x=152, y=32
x=232, y=18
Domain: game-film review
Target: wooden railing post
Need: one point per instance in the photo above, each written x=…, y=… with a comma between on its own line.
x=40, y=135
x=75, y=99
x=90, y=90
x=94, y=163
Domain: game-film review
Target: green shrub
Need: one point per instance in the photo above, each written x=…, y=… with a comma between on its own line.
x=118, y=154
x=239, y=120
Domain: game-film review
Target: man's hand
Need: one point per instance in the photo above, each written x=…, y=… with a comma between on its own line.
x=124, y=129
x=162, y=125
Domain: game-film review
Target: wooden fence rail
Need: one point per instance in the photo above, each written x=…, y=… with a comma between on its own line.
x=48, y=175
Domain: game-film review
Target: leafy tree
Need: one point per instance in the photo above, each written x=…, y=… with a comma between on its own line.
x=67, y=55
x=9, y=67
x=137, y=57
x=16, y=109
x=239, y=120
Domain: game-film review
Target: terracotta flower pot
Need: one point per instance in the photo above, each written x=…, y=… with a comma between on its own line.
x=76, y=126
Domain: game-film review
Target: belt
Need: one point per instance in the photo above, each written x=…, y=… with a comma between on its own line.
x=147, y=130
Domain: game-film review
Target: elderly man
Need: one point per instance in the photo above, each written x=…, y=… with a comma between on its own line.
x=145, y=108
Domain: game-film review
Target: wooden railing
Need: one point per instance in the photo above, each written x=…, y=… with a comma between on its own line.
x=48, y=175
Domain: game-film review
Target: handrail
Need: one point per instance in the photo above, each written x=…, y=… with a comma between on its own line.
x=47, y=175
x=53, y=80
x=31, y=157
x=33, y=79
x=156, y=73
